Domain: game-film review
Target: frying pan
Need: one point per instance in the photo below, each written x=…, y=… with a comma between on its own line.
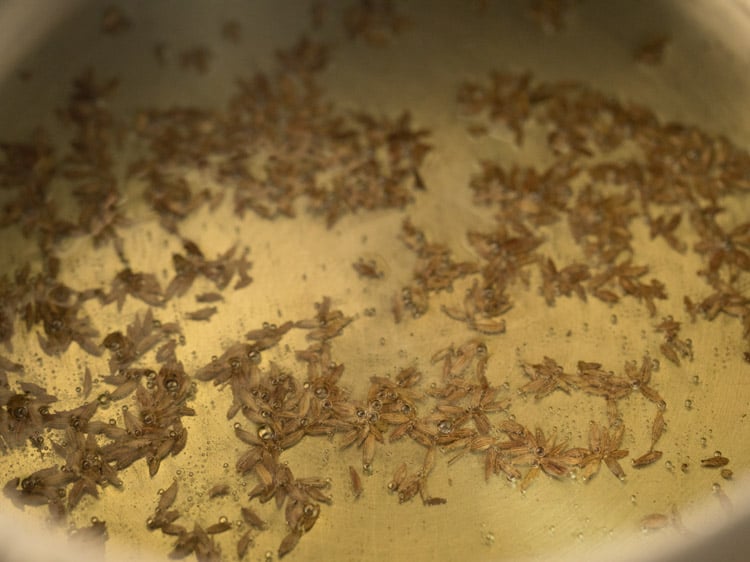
x=702, y=80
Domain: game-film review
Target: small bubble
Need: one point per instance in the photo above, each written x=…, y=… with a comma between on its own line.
x=266, y=432
x=78, y=390
x=367, y=468
x=613, y=319
x=633, y=499
x=716, y=487
x=696, y=379
x=684, y=467
x=688, y=404
x=382, y=341
x=445, y=426
x=182, y=340
x=704, y=442
x=579, y=536
x=726, y=473
x=309, y=509
x=489, y=538
x=669, y=466
x=223, y=519
x=321, y=392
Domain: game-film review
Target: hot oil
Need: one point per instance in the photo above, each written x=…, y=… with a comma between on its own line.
x=299, y=263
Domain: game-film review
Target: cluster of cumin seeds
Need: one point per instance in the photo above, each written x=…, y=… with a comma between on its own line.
x=280, y=148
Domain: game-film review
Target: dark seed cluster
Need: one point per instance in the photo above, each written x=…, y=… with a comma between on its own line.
x=279, y=148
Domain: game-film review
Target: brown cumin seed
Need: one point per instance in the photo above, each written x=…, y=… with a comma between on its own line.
x=655, y=521
x=670, y=353
x=398, y=478
x=244, y=543
x=646, y=459
x=356, y=481
x=252, y=518
x=658, y=427
x=715, y=462
x=289, y=542
x=87, y=383
x=219, y=490
x=429, y=460
x=202, y=314
x=168, y=497
x=220, y=527
x=435, y=501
